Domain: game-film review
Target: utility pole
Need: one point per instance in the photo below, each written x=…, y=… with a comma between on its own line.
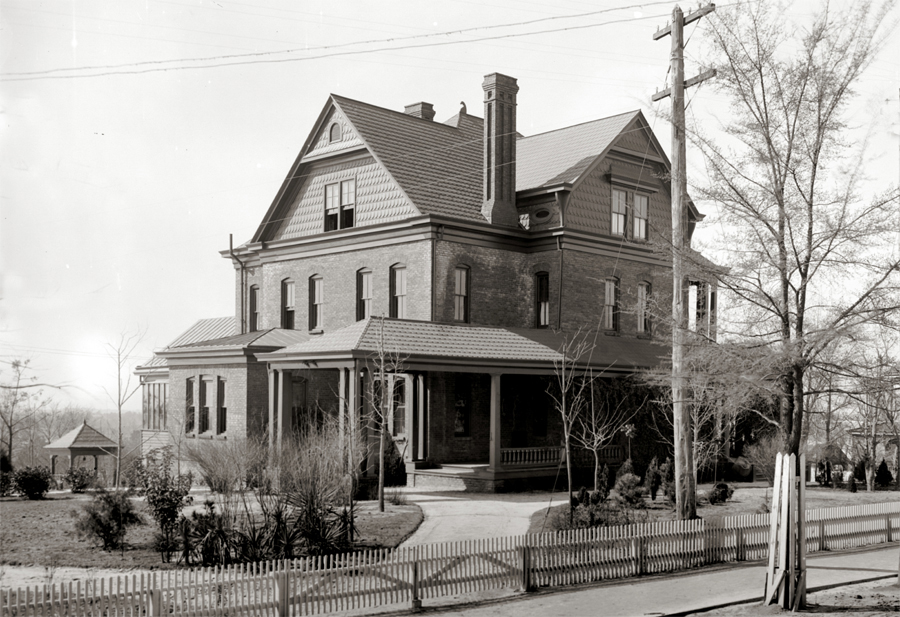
x=685, y=490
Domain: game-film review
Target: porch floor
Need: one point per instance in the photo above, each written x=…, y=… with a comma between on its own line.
x=477, y=477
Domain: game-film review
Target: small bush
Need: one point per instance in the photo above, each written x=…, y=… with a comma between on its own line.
x=395, y=497
x=33, y=482
x=79, y=479
x=167, y=494
x=883, y=476
x=837, y=479
x=653, y=480
x=106, y=518
x=667, y=471
x=629, y=491
x=720, y=493
x=6, y=483
x=851, y=486
x=627, y=468
x=859, y=469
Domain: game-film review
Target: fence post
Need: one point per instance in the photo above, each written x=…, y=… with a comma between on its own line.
x=822, y=545
x=155, y=608
x=739, y=544
x=526, y=568
x=281, y=593
x=416, y=600
x=637, y=554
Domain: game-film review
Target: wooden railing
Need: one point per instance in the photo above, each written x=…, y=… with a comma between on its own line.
x=367, y=579
x=530, y=456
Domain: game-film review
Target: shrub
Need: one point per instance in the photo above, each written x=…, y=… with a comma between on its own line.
x=859, y=469
x=106, y=518
x=883, y=476
x=5, y=465
x=629, y=491
x=79, y=479
x=33, y=482
x=837, y=479
x=653, y=480
x=395, y=497
x=720, y=493
x=626, y=469
x=667, y=473
x=851, y=486
x=6, y=483
x=167, y=494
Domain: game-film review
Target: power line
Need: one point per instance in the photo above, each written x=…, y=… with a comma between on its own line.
x=49, y=72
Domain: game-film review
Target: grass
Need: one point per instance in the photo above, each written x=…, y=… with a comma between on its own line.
x=751, y=500
x=42, y=533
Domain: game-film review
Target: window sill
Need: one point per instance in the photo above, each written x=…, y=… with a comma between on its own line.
x=317, y=331
x=611, y=332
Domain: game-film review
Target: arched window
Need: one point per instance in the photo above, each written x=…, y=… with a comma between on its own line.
x=542, y=299
x=643, y=309
x=288, y=304
x=316, y=302
x=334, y=133
x=363, y=294
x=398, y=291
x=461, y=287
x=254, y=308
x=611, y=304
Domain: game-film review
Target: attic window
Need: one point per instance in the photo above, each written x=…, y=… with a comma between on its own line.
x=334, y=133
x=542, y=215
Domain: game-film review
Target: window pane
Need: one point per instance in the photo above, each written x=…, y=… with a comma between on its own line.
x=289, y=294
x=399, y=405
x=640, y=206
x=331, y=197
x=347, y=219
x=348, y=192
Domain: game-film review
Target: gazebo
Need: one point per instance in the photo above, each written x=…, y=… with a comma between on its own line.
x=82, y=441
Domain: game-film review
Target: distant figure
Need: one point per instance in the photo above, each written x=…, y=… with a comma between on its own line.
x=462, y=108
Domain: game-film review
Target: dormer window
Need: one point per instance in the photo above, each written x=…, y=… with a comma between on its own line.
x=334, y=133
x=340, y=200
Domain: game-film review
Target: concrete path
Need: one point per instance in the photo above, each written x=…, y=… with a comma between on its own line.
x=687, y=593
x=452, y=515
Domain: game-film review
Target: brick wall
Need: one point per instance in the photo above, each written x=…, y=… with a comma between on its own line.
x=244, y=408
x=501, y=283
x=339, y=273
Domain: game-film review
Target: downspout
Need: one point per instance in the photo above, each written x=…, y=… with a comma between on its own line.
x=234, y=257
x=562, y=200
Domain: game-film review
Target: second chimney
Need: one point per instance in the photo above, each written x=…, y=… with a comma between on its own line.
x=420, y=110
x=499, y=204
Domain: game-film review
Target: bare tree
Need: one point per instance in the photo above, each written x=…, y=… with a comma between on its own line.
x=121, y=353
x=569, y=391
x=809, y=260
x=380, y=394
x=609, y=411
x=21, y=398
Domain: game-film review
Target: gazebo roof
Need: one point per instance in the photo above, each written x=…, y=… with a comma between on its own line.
x=83, y=438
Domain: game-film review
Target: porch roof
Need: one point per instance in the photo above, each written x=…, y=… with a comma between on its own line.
x=421, y=343
x=84, y=440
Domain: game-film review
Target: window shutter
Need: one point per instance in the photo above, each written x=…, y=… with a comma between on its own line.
x=360, y=297
x=312, y=304
x=393, y=292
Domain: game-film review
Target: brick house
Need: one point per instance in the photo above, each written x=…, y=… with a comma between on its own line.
x=466, y=250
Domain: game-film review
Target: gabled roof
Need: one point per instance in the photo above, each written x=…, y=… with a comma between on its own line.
x=413, y=340
x=563, y=155
x=437, y=165
x=204, y=329
x=83, y=437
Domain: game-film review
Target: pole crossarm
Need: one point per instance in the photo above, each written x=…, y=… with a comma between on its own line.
x=693, y=81
x=690, y=17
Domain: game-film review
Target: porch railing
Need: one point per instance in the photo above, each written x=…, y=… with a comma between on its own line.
x=512, y=457
x=531, y=456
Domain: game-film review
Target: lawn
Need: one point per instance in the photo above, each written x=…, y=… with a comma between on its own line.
x=751, y=500
x=43, y=533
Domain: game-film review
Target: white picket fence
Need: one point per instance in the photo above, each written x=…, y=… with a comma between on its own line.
x=367, y=579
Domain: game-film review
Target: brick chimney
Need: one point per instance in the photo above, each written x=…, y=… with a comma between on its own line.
x=420, y=110
x=499, y=205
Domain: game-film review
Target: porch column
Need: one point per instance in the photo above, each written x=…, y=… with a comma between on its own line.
x=496, y=460
x=421, y=432
x=409, y=421
x=273, y=383
x=279, y=411
x=53, y=464
x=95, y=464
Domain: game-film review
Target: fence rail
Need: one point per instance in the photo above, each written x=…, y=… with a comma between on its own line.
x=366, y=579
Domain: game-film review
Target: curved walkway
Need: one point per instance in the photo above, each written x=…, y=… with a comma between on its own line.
x=451, y=516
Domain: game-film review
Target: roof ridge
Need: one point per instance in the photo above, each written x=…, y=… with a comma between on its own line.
x=394, y=111
x=572, y=126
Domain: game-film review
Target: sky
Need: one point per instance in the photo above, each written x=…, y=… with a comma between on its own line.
x=137, y=135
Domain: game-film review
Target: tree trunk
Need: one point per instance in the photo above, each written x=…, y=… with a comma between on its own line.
x=569, y=478
x=596, y=469
x=381, y=469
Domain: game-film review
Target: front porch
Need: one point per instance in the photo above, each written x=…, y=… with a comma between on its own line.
x=469, y=407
